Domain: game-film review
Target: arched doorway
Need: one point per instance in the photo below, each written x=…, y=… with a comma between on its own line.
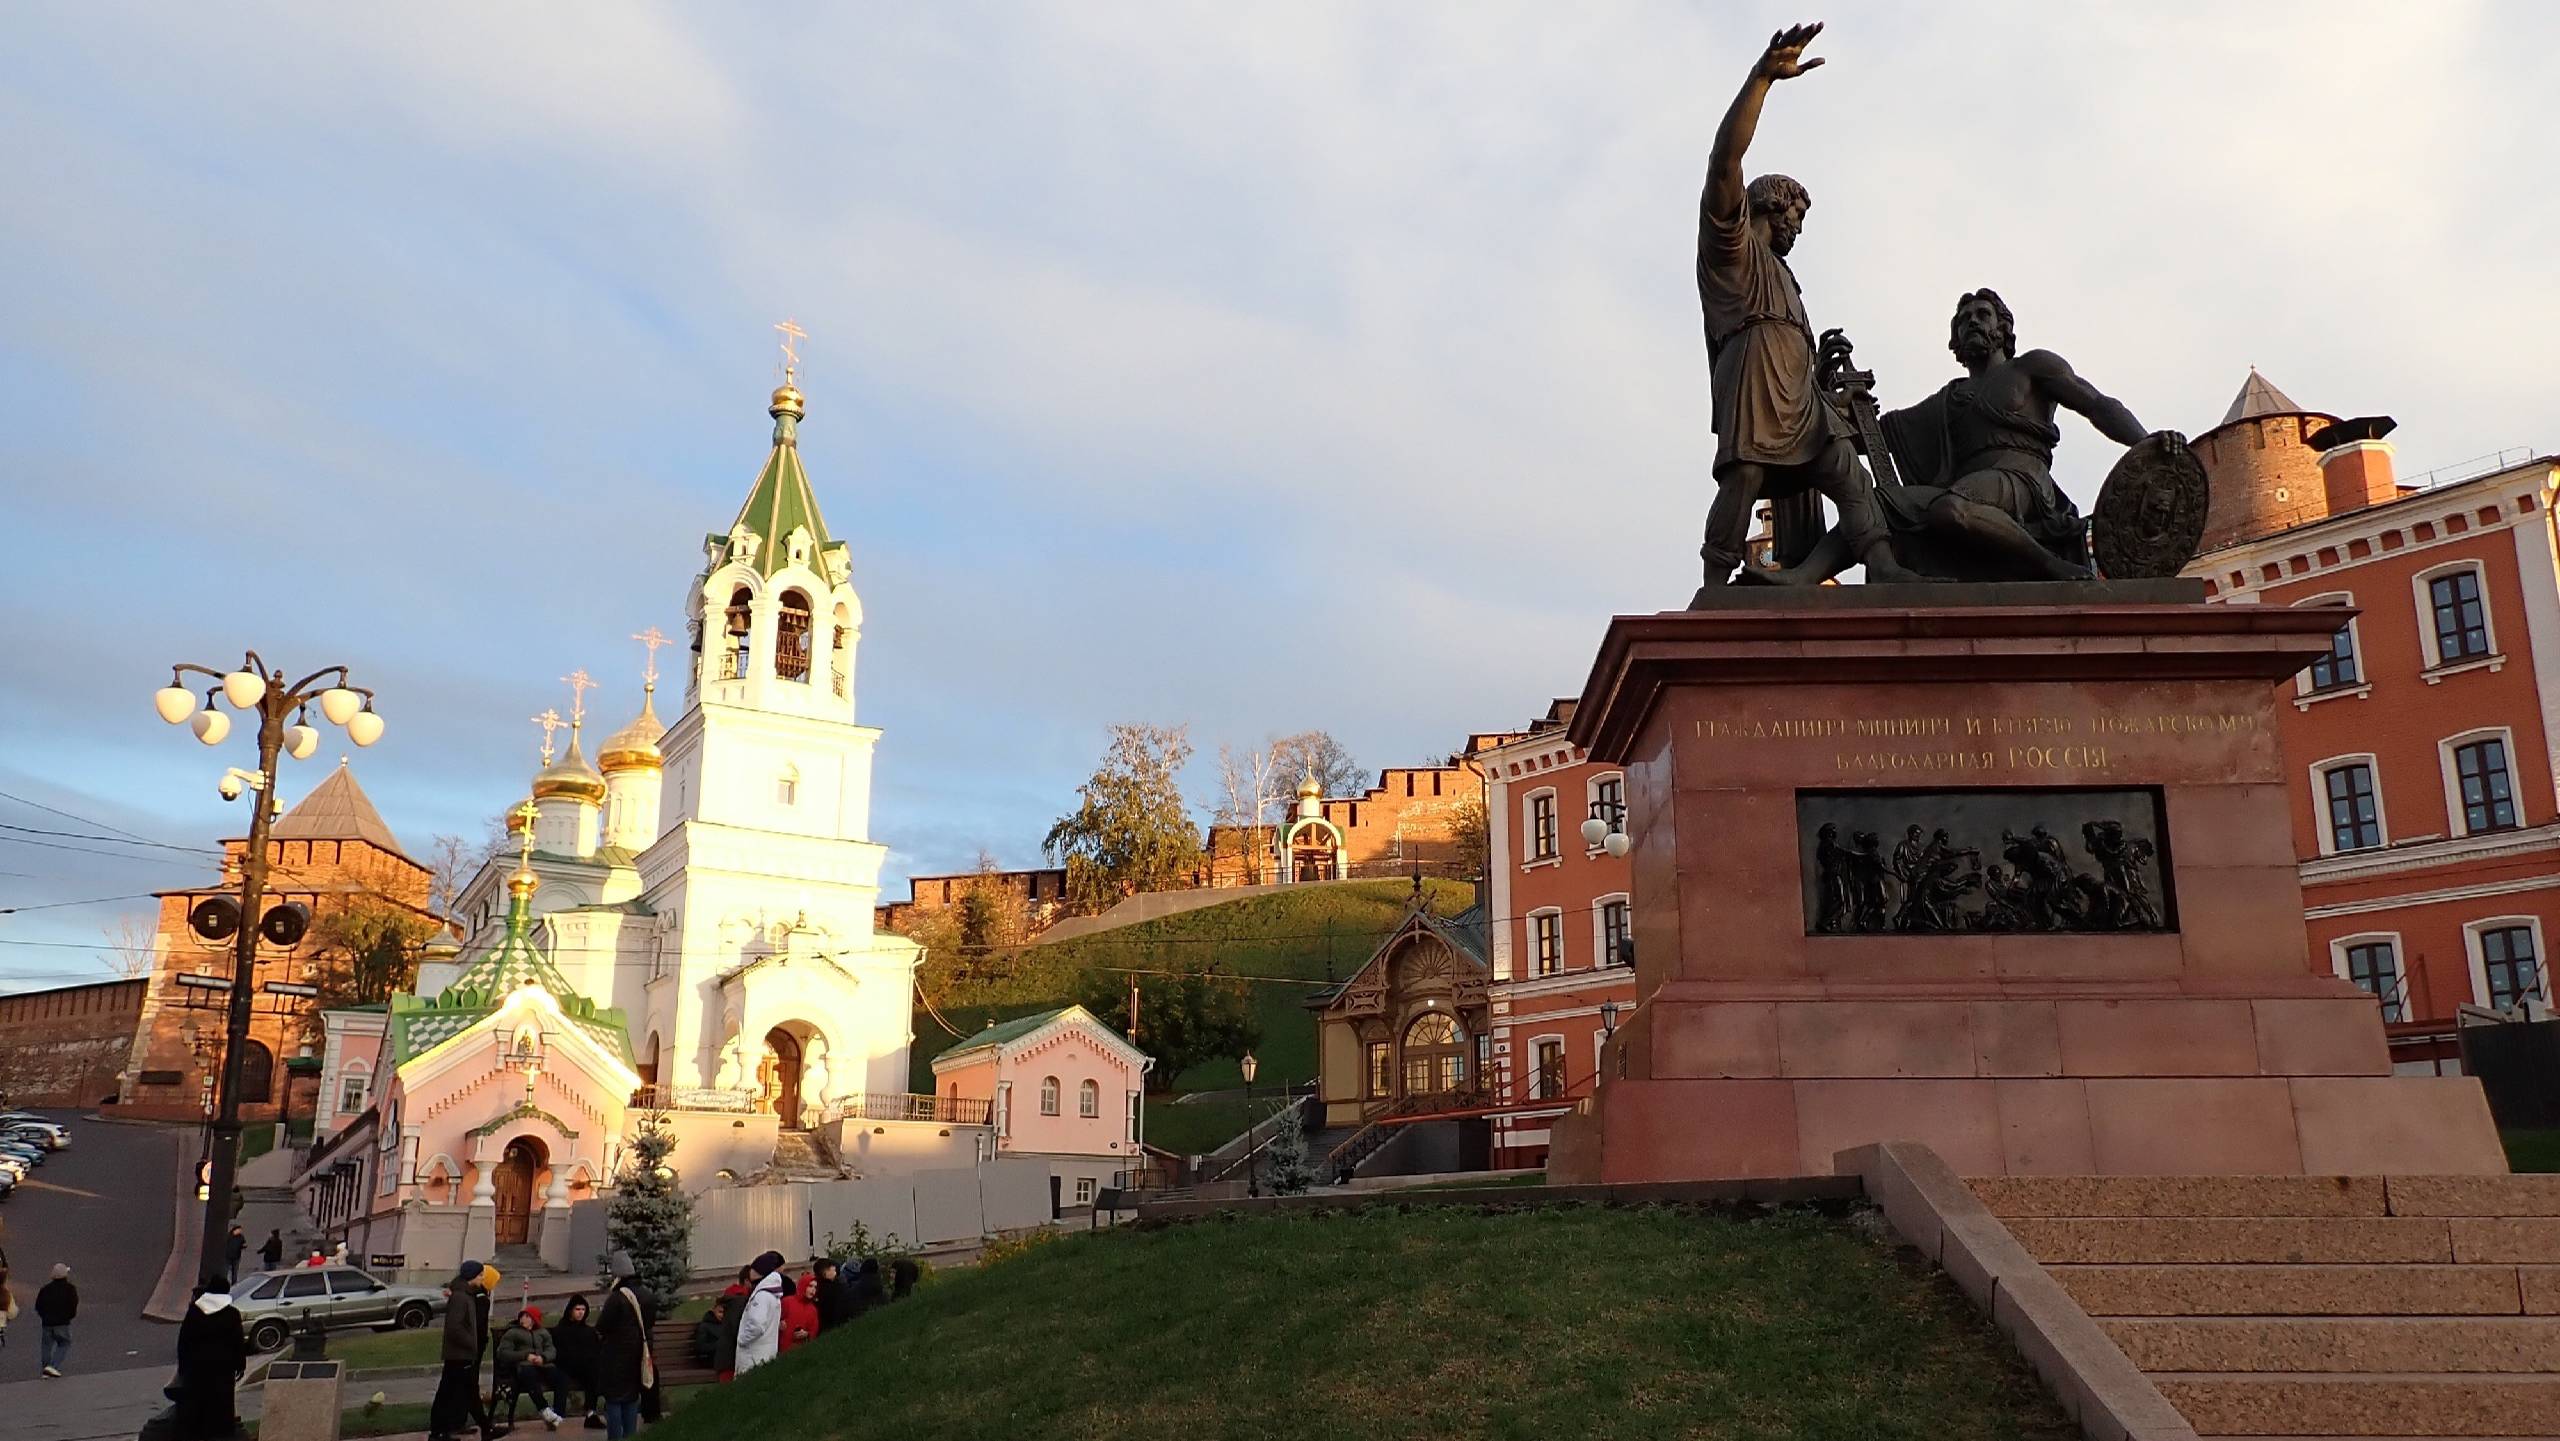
x=518, y=1167
x=778, y=1077
x=648, y=1095
x=257, y=1074
x=1435, y=1055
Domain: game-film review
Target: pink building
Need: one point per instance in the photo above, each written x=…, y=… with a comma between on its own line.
x=1065, y=1089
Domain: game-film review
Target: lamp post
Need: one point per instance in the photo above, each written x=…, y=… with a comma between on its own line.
x=263, y=693
x=1607, y=829
x=1252, y=1122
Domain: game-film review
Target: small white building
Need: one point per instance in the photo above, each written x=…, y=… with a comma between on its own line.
x=1061, y=1087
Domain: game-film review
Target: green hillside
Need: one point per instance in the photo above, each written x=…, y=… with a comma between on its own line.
x=1318, y=934
x=1578, y=1321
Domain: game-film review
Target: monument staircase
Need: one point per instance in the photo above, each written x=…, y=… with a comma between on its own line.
x=2315, y=1306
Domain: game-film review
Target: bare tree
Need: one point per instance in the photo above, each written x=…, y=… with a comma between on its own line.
x=455, y=860
x=1248, y=787
x=132, y=946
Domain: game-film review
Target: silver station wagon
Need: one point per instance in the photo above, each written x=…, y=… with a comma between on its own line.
x=341, y=1298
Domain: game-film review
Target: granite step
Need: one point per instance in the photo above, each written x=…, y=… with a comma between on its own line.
x=2345, y=1290
x=2340, y=1344
x=2252, y=1196
x=2388, y=1404
x=2227, y=1239
x=2499, y=1196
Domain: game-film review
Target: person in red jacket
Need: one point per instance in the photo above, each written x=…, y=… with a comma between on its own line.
x=800, y=1320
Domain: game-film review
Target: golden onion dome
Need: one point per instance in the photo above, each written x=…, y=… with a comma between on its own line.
x=787, y=400
x=523, y=883
x=570, y=777
x=635, y=746
x=1309, y=788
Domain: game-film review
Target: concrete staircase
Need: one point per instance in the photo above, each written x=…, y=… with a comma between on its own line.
x=801, y=1156
x=2318, y=1306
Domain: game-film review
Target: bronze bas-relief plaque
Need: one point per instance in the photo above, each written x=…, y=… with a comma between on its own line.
x=2009, y=859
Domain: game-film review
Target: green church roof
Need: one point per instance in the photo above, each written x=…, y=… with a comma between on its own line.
x=782, y=500
x=420, y=1024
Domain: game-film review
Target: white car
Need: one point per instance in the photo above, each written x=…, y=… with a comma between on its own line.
x=43, y=1133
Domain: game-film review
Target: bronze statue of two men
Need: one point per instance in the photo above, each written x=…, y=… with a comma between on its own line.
x=1962, y=485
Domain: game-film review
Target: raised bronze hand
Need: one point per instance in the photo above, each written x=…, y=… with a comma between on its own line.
x=1784, y=59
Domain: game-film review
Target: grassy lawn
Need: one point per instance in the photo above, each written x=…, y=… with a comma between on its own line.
x=1318, y=933
x=2532, y=1150
x=1195, y=1128
x=1653, y=1323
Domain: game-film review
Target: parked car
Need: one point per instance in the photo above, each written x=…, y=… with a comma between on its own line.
x=43, y=1133
x=342, y=1298
x=33, y=1155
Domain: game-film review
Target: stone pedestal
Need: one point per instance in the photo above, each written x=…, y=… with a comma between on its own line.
x=302, y=1401
x=2183, y=1030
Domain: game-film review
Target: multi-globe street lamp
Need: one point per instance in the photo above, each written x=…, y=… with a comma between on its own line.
x=284, y=728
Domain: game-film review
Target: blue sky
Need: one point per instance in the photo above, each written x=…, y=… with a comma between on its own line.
x=1251, y=366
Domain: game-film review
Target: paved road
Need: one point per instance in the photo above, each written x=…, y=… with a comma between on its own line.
x=104, y=1204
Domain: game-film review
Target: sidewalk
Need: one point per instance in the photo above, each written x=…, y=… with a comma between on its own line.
x=112, y=1405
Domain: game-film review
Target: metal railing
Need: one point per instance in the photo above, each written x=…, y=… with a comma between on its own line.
x=693, y=1098
x=904, y=1106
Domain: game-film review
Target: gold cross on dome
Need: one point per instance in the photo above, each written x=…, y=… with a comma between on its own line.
x=652, y=638
x=579, y=683
x=550, y=721
x=527, y=813
x=792, y=335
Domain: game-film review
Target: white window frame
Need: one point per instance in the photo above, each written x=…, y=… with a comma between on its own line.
x=1084, y=1190
x=2471, y=950
x=1537, y=1087
x=1052, y=1095
x=1591, y=798
x=1089, y=1100
x=354, y=1071
x=1004, y=1109
x=786, y=787
x=2363, y=683
x=2456, y=824
x=1600, y=925
x=2323, y=832
x=1529, y=829
x=2339, y=947
x=1132, y=1136
x=1563, y=956
x=2420, y=593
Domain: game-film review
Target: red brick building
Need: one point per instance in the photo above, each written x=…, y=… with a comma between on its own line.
x=1559, y=907
x=2423, y=746
x=1402, y=822
x=328, y=850
x=1040, y=895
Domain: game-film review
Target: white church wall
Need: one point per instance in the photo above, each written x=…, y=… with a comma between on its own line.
x=902, y=1148
x=708, y=1142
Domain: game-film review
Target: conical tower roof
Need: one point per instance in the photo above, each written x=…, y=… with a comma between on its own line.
x=781, y=500
x=337, y=809
x=2259, y=396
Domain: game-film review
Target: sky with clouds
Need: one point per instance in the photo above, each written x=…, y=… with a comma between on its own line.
x=1250, y=366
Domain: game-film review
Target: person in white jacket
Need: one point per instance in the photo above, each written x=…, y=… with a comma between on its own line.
x=760, y=1325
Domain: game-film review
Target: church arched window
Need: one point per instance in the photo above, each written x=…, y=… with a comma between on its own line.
x=1089, y=1100
x=738, y=622
x=791, y=637
x=1048, y=1095
x=786, y=789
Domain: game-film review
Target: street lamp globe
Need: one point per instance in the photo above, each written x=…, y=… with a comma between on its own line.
x=300, y=742
x=340, y=704
x=1619, y=845
x=1248, y=1065
x=1594, y=831
x=174, y=702
x=211, y=726
x=244, y=689
x=364, y=727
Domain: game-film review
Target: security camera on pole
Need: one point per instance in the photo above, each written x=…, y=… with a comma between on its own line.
x=284, y=728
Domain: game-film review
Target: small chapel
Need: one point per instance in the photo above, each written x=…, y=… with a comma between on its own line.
x=682, y=926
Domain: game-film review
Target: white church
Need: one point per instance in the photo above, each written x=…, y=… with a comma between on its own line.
x=684, y=927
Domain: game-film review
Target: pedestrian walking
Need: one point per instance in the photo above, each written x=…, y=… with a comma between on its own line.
x=232, y=1251
x=466, y=1325
x=760, y=1324
x=271, y=1253
x=8, y=1307
x=213, y=1352
x=56, y=1303
x=625, y=1369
